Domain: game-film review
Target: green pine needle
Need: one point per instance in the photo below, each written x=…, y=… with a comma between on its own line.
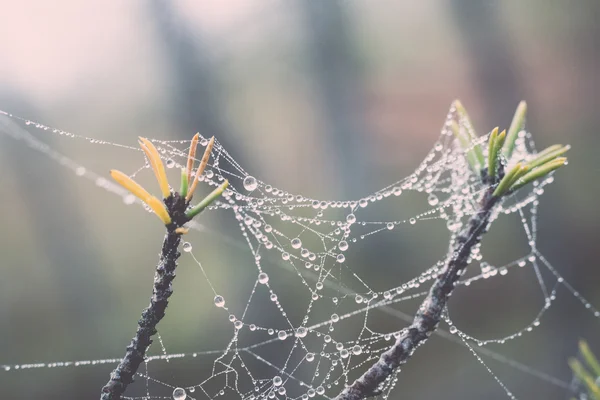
x=184, y=183
x=198, y=208
x=492, y=153
x=516, y=126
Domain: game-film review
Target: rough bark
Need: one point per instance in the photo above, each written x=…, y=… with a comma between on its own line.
x=429, y=314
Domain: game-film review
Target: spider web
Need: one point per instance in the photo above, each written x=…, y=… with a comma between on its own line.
x=303, y=325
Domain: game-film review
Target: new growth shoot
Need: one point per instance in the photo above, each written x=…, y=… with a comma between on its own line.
x=174, y=211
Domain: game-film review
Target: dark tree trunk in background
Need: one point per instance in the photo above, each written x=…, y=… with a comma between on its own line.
x=486, y=39
x=332, y=59
x=196, y=95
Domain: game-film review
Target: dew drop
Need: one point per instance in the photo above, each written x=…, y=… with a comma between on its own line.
x=340, y=258
x=344, y=353
x=335, y=317
x=310, y=357
x=296, y=243
x=351, y=218
x=285, y=256
x=187, y=247
x=170, y=163
x=412, y=221
x=219, y=301
x=250, y=183
x=356, y=350
x=277, y=381
x=179, y=394
x=390, y=225
x=282, y=335
x=263, y=278
x=453, y=329
x=433, y=199
x=343, y=245
x=301, y=332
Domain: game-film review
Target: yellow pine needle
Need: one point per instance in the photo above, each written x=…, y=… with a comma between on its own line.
x=157, y=165
x=201, y=167
x=159, y=209
x=191, y=156
x=131, y=185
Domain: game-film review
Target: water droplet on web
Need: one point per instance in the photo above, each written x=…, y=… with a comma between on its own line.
x=296, y=243
x=363, y=203
x=351, y=218
x=390, y=225
x=219, y=301
x=238, y=324
x=285, y=256
x=301, y=332
x=335, y=317
x=170, y=163
x=179, y=394
x=310, y=357
x=263, y=278
x=412, y=221
x=250, y=183
x=187, y=247
x=358, y=298
x=277, y=381
x=344, y=353
x=340, y=258
x=320, y=390
x=453, y=329
x=356, y=350
x=282, y=335
x=343, y=245
x=433, y=199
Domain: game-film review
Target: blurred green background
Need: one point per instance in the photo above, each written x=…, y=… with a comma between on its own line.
x=331, y=99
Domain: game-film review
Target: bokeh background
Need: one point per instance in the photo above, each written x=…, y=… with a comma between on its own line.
x=332, y=99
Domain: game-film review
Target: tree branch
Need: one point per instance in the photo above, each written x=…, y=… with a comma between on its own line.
x=429, y=314
x=123, y=375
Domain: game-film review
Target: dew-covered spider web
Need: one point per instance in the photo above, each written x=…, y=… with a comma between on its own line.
x=302, y=257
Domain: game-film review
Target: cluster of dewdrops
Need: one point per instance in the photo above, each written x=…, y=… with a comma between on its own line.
x=309, y=236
